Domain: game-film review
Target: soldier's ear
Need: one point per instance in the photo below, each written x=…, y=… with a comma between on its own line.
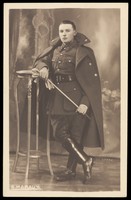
x=75, y=32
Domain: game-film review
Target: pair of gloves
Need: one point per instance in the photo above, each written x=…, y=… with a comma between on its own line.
x=44, y=73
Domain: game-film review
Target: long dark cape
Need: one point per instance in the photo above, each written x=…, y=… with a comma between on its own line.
x=88, y=77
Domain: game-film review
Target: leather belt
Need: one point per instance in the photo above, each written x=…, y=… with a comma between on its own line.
x=61, y=78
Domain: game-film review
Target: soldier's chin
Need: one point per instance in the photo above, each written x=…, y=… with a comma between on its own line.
x=65, y=41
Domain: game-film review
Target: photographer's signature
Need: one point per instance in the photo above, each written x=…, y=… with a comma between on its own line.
x=26, y=187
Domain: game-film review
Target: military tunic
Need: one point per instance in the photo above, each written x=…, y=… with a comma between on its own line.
x=63, y=63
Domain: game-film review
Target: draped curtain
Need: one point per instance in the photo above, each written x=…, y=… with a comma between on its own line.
x=14, y=20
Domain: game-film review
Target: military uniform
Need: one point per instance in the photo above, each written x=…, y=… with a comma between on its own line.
x=64, y=118
x=77, y=61
x=74, y=70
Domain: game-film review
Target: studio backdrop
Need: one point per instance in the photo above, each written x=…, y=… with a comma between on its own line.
x=30, y=32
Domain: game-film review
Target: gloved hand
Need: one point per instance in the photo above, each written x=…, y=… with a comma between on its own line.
x=43, y=73
x=82, y=109
x=35, y=73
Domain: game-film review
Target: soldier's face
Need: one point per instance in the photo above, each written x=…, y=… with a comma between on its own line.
x=66, y=33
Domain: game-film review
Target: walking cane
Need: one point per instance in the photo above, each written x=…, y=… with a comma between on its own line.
x=66, y=96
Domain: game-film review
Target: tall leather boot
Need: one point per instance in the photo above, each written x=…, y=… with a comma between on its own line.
x=70, y=172
x=75, y=149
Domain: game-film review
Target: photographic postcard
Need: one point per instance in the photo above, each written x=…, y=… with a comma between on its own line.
x=28, y=30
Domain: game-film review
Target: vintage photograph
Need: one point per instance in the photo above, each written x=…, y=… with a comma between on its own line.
x=65, y=99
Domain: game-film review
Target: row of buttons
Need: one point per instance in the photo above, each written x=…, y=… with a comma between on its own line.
x=61, y=61
x=91, y=65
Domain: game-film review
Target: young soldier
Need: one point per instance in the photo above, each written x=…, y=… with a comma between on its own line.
x=73, y=68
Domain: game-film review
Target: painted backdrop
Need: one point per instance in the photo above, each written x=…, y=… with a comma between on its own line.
x=30, y=31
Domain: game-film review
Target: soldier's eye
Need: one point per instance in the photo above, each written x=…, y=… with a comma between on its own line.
x=67, y=30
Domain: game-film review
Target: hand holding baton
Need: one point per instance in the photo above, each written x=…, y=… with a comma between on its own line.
x=52, y=84
x=66, y=96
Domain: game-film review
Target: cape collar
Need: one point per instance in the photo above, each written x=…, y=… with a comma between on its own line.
x=80, y=38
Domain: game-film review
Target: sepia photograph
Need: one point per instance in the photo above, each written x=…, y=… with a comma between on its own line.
x=65, y=99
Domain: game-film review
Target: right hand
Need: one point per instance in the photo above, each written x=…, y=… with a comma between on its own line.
x=43, y=73
x=35, y=73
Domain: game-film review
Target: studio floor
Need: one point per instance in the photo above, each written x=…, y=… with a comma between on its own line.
x=105, y=175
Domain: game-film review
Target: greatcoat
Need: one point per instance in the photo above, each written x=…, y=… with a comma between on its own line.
x=87, y=75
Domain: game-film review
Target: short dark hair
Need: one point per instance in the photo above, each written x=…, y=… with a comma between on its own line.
x=69, y=22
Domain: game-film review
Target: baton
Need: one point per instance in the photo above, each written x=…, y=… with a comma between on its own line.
x=66, y=96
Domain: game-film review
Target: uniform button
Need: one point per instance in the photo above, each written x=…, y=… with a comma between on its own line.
x=59, y=61
x=95, y=74
x=69, y=60
x=58, y=69
x=90, y=63
x=61, y=54
x=85, y=40
x=74, y=88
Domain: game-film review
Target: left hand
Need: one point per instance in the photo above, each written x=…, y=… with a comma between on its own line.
x=82, y=109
